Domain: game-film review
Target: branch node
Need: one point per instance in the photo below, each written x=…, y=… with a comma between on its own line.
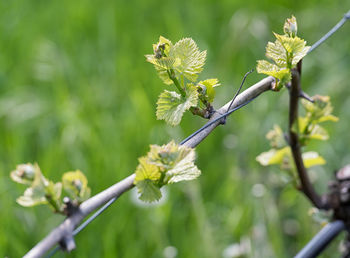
x=70, y=207
x=67, y=243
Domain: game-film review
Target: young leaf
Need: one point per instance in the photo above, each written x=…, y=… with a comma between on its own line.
x=206, y=89
x=277, y=53
x=36, y=193
x=162, y=59
x=32, y=196
x=171, y=105
x=318, y=133
x=312, y=158
x=149, y=191
x=53, y=193
x=295, y=47
x=290, y=27
x=163, y=75
x=273, y=156
x=75, y=184
x=25, y=173
x=282, y=74
x=276, y=137
x=163, y=165
x=191, y=60
x=146, y=170
x=321, y=110
x=286, y=52
x=184, y=168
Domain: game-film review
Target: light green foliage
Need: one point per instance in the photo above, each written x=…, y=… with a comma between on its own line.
x=25, y=173
x=206, y=89
x=171, y=105
x=43, y=191
x=318, y=112
x=286, y=52
x=308, y=128
x=164, y=165
x=75, y=184
x=175, y=64
x=191, y=60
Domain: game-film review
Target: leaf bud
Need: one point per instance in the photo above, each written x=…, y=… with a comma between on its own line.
x=290, y=27
x=24, y=174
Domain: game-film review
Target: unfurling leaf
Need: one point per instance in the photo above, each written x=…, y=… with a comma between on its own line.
x=191, y=59
x=176, y=64
x=206, y=89
x=290, y=27
x=25, y=173
x=321, y=110
x=281, y=74
x=149, y=191
x=32, y=196
x=286, y=52
x=162, y=59
x=276, y=52
x=75, y=184
x=43, y=191
x=146, y=170
x=276, y=137
x=318, y=133
x=273, y=156
x=163, y=165
x=184, y=168
x=312, y=158
x=295, y=48
x=171, y=105
x=36, y=193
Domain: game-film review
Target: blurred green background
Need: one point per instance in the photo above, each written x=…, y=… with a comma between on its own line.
x=77, y=93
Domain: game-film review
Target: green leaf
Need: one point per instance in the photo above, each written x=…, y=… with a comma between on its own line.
x=321, y=110
x=282, y=74
x=75, y=184
x=298, y=55
x=312, y=159
x=302, y=126
x=163, y=75
x=276, y=137
x=328, y=118
x=273, y=156
x=184, y=168
x=277, y=53
x=162, y=59
x=25, y=173
x=191, y=60
x=32, y=196
x=318, y=133
x=148, y=190
x=162, y=48
x=206, y=89
x=53, y=194
x=171, y=105
x=176, y=161
x=294, y=46
x=146, y=170
x=163, y=165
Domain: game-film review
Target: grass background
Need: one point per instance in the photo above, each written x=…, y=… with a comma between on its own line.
x=76, y=93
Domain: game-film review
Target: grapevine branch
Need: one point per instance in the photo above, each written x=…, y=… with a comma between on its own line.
x=64, y=233
x=306, y=185
x=67, y=227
